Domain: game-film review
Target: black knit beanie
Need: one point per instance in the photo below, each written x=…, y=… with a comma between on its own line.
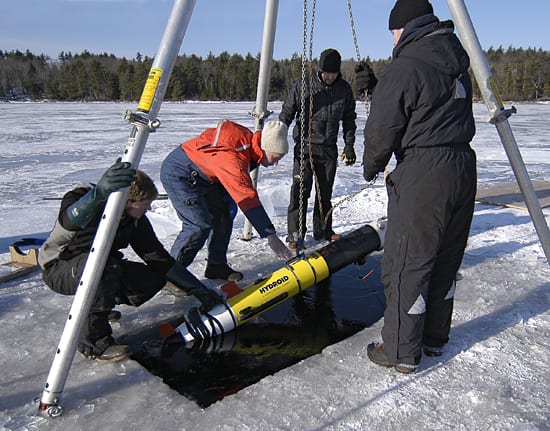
x=407, y=10
x=330, y=61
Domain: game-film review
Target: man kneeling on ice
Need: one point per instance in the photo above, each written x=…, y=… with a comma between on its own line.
x=63, y=257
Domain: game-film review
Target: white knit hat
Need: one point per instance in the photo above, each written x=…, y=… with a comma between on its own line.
x=275, y=137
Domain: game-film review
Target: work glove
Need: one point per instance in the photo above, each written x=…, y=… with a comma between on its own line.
x=195, y=325
x=365, y=79
x=87, y=208
x=182, y=278
x=118, y=176
x=208, y=298
x=370, y=177
x=348, y=155
x=278, y=247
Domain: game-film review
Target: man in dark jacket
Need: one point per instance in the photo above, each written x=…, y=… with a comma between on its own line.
x=63, y=256
x=333, y=102
x=421, y=112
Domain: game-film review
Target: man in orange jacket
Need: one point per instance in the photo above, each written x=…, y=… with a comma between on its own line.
x=207, y=177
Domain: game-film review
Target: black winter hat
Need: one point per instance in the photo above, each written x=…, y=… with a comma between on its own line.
x=330, y=61
x=407, y=10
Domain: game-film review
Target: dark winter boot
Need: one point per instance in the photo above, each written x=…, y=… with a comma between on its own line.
x=375, y=352
x=432, y=350
x=114, y=316
x=329, y=236
x=293, y=239
x=222, y=271
x=334, y=237
x=103, y=350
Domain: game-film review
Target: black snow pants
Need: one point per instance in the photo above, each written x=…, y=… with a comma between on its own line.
x=325, y=161
x=431, y=196
x=123, y=282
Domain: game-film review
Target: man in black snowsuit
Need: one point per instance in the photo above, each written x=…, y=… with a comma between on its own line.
x=333, y=102
x=421, y=112
x=63, y=256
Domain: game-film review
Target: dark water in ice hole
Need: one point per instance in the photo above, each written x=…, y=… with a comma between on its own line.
x=347, y=302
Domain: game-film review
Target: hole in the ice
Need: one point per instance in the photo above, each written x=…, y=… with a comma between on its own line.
x=350, y=300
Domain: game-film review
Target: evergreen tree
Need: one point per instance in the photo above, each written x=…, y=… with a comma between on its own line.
x=520, y=75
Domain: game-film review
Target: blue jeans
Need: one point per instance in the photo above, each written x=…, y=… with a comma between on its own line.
x=204, y=208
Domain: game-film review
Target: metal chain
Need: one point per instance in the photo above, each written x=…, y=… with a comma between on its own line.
x=349, y=197
x=306, y=61
x=367, y=107
x=302, y=121
x=353, y=32
x=358, y=54
x=311, y=161
x=310, y=123
x=311, y=31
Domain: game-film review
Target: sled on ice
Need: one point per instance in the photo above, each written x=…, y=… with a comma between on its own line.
x=21, y=262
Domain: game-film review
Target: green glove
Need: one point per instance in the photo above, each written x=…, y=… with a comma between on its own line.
x=83, y=211
x=118, y=176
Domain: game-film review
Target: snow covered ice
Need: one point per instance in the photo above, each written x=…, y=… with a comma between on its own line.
x=494, y=374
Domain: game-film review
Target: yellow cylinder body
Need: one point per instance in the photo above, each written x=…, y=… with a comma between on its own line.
x=284, y=283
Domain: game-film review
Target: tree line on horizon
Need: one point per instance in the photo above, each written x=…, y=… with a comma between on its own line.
x=520, y=75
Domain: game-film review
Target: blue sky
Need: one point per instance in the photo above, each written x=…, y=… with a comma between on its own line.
x=124, y=27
